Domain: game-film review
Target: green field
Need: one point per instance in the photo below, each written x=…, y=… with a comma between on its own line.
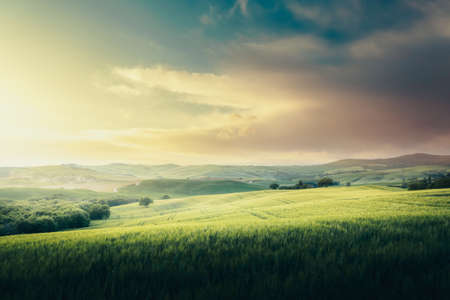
x=367, y=242
x=289, y=206
x=175, y=188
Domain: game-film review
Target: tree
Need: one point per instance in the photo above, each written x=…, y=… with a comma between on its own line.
x=404, y=184
x=145, y=201
x=324, y=182
x=99, y=212
x=300, y=185
x=418, y=185
x=274, y=186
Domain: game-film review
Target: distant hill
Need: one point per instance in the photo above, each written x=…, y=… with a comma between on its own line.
x=356, y=171
x=112, y=176
x=175, y=188
x=405, y=161
x=62, y=176
x=129, y=170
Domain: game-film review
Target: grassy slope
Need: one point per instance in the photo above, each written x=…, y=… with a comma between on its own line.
x=289, y=206
x=358, y=242
x=156, y=188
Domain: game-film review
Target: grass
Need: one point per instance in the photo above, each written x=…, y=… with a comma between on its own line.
x=365, y=242
x=287, y=206
x=156, y=188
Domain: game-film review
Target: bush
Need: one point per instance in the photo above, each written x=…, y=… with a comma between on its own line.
x=145, y=201
x=274, y=186
x=417, y=185
x=99, y=212
x=165, y=197
x=325, y=182
x=119, y=201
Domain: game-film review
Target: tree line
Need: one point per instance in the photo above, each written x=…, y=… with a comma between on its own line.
x=439, y=181
x=323, y=182
x=53, y=214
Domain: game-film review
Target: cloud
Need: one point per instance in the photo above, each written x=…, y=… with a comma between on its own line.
x=206, y=19
x=336, y=14
x=382, y=93
x=241, y=5
x=281, y=96
x=211, y=17
x=216, y=15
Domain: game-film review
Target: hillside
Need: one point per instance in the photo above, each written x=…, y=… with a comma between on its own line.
x=156, y=188
x=356, y=171
x=113, y=176
x=389, y=244
x=62, y=176
x=405, y=161
x=272, y=207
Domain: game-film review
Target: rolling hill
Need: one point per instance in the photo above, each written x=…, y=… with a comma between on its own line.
x=405, y=161
x=356, y=171
x=62, y=176
x=285, y=206
x=113, y=176
x=366, y=242
x=175, y=188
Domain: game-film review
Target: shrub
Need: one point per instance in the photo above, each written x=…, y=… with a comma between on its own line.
x=119, y=201
x=274, y=186
x=325, y=182
x=99, y=212
x=145, y=201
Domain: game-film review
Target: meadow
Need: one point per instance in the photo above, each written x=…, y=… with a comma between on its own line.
x=366, y=242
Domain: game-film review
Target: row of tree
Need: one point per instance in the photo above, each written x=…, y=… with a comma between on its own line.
x=439, y=181
x=323, y=182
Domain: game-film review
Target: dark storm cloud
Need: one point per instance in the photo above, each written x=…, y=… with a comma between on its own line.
x=386, y=89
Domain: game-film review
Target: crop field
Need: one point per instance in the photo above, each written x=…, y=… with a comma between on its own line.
x=365, y=242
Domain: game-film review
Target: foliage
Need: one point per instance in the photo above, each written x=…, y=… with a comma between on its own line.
x=41, y=218
x=165, y=197
x=438, y=181
x=99, y=211
x=24, y=210
x=299, y=185
x=145, y=201
x=274, y=186
x=325, y=182
x=118, y=201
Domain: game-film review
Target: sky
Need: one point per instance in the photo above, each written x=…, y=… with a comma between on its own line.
x=222, y=82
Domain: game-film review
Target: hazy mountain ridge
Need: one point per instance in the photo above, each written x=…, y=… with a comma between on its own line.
x=65, y=176
x=404, y=161
x=112, y=176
